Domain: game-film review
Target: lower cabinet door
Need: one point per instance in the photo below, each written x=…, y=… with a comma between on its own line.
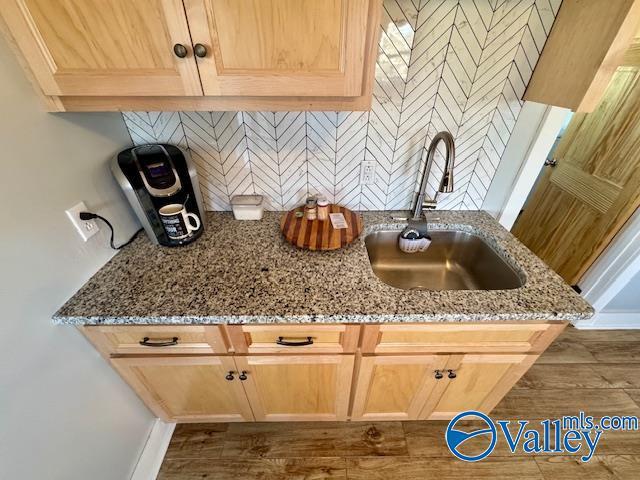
x=395, y=387
x=297, y=387
x=187, y=389
x=479, y=382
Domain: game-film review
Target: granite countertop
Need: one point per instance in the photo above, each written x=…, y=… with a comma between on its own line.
x=244, y=272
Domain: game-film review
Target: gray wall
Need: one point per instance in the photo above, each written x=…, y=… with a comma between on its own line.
x=64, y=413
x=628, y=299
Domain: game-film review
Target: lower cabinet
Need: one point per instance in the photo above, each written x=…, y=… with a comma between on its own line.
x=298, y=387
x=480, y=382
x=237, y=389
x=394, y=387
x=433, y=387
x=267, y=373
x=187, y=389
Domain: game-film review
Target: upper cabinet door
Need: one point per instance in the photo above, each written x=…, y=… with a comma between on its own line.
x=280, y=47
x=93, y=47
x=585, y=47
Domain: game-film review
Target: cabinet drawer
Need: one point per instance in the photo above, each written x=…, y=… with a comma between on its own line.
x=467, y=337
x=146, y=339
x=294, y=338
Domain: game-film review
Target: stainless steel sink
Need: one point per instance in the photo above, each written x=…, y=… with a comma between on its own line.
x=455, y=260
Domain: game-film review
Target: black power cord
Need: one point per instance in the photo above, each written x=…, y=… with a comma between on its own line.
x=90, y=216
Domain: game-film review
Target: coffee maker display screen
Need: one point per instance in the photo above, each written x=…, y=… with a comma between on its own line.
x=157, y=170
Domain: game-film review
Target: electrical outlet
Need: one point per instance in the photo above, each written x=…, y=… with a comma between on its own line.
x=368, y=172
x=86, y=228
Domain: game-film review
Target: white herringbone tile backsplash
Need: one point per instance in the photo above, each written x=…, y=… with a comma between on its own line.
x=456, y=65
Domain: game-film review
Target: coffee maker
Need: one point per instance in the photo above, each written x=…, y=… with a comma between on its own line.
x=156, y=176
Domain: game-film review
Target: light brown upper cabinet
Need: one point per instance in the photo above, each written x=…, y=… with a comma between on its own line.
x=586, y=45
x=90, y=47
x=279, y=47
x=198, y=54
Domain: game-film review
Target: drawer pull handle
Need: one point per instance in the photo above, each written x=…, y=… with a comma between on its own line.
x=438, y=375
x=243, y=375
x=147, y=342
x=451, y=374
x=229, y=376
x=301, y=343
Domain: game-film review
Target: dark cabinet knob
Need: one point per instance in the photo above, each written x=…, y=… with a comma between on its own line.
x=180, y=50
x=451, y=374
x=243, y=375
x=438, y=375
x=200, y=50
x=229, y=376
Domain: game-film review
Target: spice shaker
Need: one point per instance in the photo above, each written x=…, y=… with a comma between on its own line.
x=323, y=209
x=311, y=209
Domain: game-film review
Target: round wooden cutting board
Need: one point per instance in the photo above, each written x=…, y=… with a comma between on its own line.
x=320, y=235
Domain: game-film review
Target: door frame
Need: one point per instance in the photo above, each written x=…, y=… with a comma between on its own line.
x=538, y=126
x=609, y=274
x=533, y=137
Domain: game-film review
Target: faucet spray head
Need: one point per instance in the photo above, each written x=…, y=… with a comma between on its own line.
x=446, y=184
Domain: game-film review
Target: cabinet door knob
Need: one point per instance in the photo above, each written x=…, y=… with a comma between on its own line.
x=243, y=375
x=451, y=374
x=438, y=375
x=200, y=50
x=180, y=50
x=229, y=376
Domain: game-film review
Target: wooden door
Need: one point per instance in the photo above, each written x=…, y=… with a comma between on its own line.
x=580, y=204
x=187, y=389
x=92, y=47
x=481, y=380
x=281, y=47
x=298, y=387
x=394, y=387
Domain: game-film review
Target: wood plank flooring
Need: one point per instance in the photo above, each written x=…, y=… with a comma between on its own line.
x=594, y=371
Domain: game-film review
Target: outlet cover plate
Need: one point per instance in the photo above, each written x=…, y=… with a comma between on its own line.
x=368, y=172
x=86, y=228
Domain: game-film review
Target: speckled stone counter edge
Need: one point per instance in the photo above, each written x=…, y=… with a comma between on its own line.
x=498, y=238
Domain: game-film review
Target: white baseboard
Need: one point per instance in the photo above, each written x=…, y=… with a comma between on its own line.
x=153, y=452
x=611, y=321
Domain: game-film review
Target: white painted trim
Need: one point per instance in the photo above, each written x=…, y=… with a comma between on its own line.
x=610, y=321
x=524, y=133
x=153, y=453
x=614, y=267
x=536, y=153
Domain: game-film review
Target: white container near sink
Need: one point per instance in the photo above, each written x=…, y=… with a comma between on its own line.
x=247, y=207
